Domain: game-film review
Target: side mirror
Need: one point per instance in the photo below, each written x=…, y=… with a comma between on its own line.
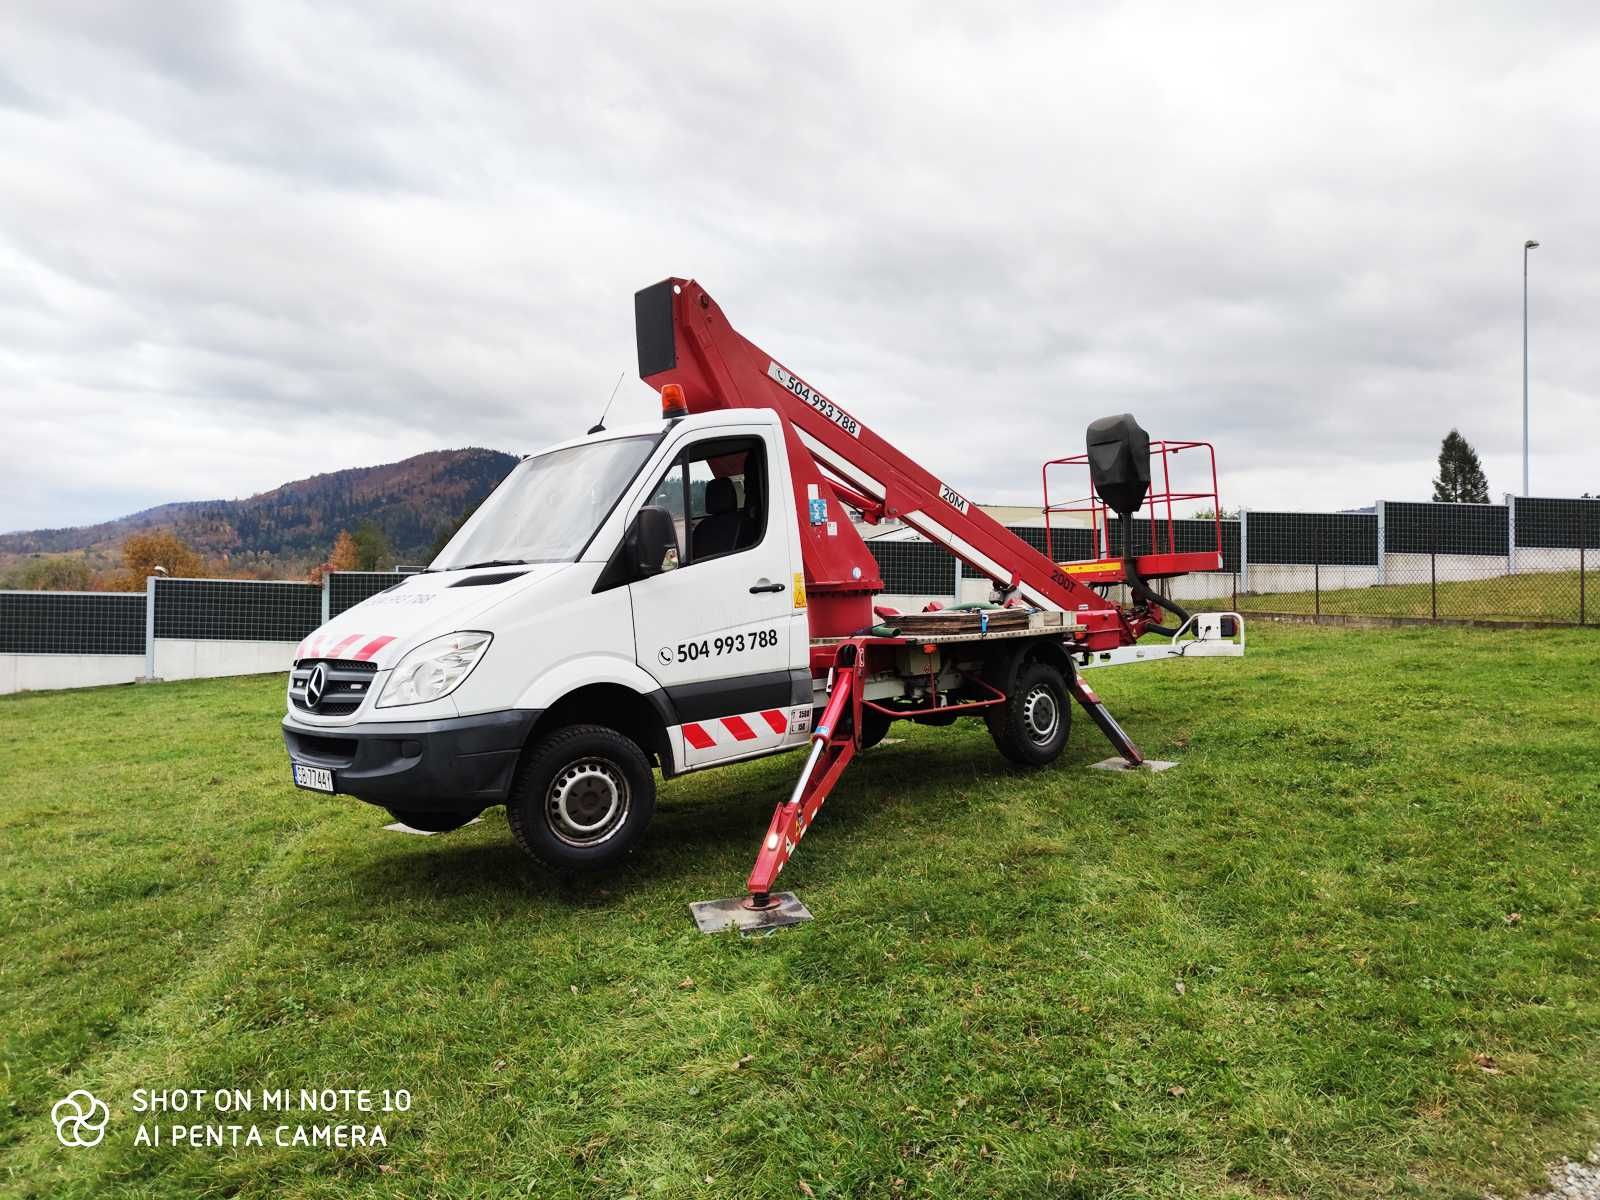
x=651, y=543
x=649, y=547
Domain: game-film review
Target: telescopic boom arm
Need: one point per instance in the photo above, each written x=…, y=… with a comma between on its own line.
x=837, y=461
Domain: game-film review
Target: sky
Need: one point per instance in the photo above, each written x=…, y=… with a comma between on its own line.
x=247, y=243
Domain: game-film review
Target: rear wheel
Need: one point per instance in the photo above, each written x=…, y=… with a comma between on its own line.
x=582, y=799
x=874, y=726
x=431, y=820
x=1031, y=727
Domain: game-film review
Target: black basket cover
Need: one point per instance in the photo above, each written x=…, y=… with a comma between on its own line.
x=1119, y=462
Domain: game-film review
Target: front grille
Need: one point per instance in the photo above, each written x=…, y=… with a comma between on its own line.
x=347, y=682
x=358, y=666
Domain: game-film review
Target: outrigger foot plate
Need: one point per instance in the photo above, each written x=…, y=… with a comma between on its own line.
x=1117, y=763
x=713, y=916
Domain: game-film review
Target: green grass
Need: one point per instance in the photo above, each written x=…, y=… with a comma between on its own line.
x=1266, y=973
x=1536, y=596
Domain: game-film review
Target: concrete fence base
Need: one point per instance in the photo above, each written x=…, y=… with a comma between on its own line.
x=44, y=672
x=179, y=659
x=174, y=659
x=1364, y=621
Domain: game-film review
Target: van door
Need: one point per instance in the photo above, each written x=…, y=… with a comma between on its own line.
x=715, y=630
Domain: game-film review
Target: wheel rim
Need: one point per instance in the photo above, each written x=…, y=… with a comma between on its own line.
x=587, y=802
x=1041, y=715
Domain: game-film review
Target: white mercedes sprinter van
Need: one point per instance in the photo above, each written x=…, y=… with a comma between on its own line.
x=626, y=600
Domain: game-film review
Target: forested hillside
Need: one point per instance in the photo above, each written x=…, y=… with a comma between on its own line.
x=284, y=531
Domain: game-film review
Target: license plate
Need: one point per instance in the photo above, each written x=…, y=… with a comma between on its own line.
x=318, y=779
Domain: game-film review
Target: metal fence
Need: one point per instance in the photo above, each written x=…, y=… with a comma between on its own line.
x=187, y=610
x=1528, y=559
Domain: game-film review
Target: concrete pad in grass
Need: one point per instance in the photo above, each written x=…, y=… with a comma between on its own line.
x=1122, y=764
x=401, y=827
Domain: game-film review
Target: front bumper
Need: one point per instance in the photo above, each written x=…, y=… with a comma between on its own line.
x=452, y=763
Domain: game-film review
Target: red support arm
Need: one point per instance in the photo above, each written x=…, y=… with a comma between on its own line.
x=831, y=752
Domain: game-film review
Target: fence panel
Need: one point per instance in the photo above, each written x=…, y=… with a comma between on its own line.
x=914, y=568
x=71, y=623
x=1067, y=543
x=1189, y=535
x=236, y=610
x=1547, y=524
x=1412, y=527
x=1303, y=539
x=346, y=589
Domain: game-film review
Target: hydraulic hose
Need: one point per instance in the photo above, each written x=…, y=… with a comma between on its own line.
x=1137, y=585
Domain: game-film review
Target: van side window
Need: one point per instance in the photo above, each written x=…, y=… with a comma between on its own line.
x=716, y=492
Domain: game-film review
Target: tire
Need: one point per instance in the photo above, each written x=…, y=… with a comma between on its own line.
x=433, y=820
x=874, y=728
x=582, y=799
x=1031, y=727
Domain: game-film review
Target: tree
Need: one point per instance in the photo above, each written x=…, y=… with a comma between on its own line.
x=142, y=553
x=50, y=573
x=372, y=548
x=345, y=556
x=443, y=540
x=1461, y=479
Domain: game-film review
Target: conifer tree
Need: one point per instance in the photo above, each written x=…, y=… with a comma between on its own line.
x=1461, y=479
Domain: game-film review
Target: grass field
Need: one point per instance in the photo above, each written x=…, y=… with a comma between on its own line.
x=1349, y=946
x=1536, y=596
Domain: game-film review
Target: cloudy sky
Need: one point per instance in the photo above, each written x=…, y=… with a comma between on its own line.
x=241, y=244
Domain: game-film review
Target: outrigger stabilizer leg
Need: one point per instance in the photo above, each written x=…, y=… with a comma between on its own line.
x=1132, y=758
x=1101, y=716
x=833, y=745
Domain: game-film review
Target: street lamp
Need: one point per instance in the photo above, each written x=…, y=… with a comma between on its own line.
x=1530, y=244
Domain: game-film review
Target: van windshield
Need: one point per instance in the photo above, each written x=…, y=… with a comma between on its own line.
x=548, y=508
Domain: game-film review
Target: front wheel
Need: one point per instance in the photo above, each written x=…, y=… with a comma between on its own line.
x=582, y=799
x=1030, y=728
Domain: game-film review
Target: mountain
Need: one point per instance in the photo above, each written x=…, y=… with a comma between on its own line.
x=294, y=525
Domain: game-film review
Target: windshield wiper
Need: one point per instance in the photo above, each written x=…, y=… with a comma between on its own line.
x=491, y=562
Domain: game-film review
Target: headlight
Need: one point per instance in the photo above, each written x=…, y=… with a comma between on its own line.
x=433, y=669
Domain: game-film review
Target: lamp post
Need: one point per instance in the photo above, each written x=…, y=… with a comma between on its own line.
x=1526, y=246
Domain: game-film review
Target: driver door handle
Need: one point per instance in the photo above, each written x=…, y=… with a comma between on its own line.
x=766, y=587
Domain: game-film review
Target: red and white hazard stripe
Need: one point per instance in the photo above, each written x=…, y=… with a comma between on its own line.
x=728, y=731
x=358, y=646
x=743, y=733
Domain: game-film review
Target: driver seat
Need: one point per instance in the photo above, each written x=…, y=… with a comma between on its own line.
x=718, y=531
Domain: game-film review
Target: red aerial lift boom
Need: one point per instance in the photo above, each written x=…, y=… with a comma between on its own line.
x=690, y=352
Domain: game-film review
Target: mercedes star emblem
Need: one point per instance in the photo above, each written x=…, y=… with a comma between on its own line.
x=316, y=684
